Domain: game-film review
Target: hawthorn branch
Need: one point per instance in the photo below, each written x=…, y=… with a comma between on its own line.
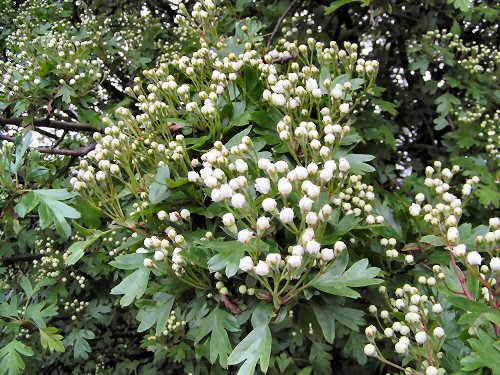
x=82, y=151
x=231, y=306
x=292, y=5
x=21, y=258
x=47, y=123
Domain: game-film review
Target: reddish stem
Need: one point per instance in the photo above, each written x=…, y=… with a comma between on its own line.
x=460, y=278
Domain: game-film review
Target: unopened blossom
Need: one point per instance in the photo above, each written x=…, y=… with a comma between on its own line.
x=415, y=209
x=245, y=235
x=263, y=223
x=262, y=185
x=284, y=186
x=421, y=337
x=370, y=350
x=294, y=261
x=261, y=269
x=495, y=264
x=228, y=219
x=238, y=200
x=327, y=254
x=287, y=215
x=313, y=247
x=474, y=258
x=246, y=264
x=453, y=234
x=460, y=250
x=273, y=259
x=269, y=205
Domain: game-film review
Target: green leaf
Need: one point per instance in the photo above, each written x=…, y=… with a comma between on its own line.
x=218, y=323
x=463, y=5
x=12, y=363
x=66, y=92
x=320, y=358
x=254, y=348
x=236, y=139
x=386, y=106
x=50, y=339
x=77, y=249
x=445, y=103
x=159, y=314
x=357, y=276
x=78, y=338
x=38, y=314
x=357, y=163
x=433, y=240
x=27, y=204
x=325, y=320
x=158, y=191
x=22, y=145
x=133, y=286
x=337, y=4
x=228, y=257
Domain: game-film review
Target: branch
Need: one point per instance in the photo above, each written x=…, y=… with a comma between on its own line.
x=54, y=124
x=284, y=60
x=82, y=151
x=233, y=307
x=21, y=258
x=292, y=5
x=113, y=90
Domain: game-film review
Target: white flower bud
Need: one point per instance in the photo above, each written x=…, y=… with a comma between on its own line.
x=438, y=332
x=269, y=205
x=228, y=219
x=294, y=261
x=273, y=259
x=495, y=264
x=339, y=246
x=238, y=200
x=344, y=165
x=262, y=185
x=287, y=215
x=437, y=308
x=245, y=235
x=263, y=223
x=344, y=108
x=261, y=269
x=313, y=247
x=401, y=348
x=460, y=250
x=185, y=214
x=246, y=264
x=370, y=350
x=327, y=254
x=415, y=209
x=305, y=204
x=311, y=218
x=453, y=234
x=474, y=258
x=159, y=256
x=284, y=186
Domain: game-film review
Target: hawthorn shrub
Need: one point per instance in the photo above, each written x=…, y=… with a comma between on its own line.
x=278, y=187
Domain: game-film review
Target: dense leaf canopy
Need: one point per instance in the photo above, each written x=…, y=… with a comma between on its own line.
x=250, y=186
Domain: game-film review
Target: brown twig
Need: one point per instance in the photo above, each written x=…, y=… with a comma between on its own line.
x=46, y=123
x=231, y=306
x=82, y=151
x=20, y=258
x=292, y=5
x=284, y=60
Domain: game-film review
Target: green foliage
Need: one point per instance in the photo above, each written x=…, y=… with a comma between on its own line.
x=124, y=123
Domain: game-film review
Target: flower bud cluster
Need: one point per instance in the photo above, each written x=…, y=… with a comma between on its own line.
x=407, y=323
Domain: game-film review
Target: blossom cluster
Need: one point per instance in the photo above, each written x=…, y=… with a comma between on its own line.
x=412, y=321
